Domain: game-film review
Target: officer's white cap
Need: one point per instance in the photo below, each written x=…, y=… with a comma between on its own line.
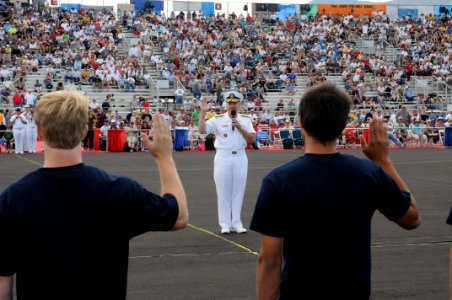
x=233, y=96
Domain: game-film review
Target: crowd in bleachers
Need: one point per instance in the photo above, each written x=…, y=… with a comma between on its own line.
x=209, y=55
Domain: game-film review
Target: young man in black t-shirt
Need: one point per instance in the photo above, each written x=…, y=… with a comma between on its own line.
x=65, y=228
x=306, y=202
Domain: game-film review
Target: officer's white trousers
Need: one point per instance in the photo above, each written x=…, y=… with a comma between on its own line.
x=32, y=137
x=19, y=135
x=230, y=172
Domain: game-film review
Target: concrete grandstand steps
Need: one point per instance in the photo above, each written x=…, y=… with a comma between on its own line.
x=272, y=97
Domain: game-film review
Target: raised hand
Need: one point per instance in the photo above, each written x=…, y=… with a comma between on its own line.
x=204, y=107
x=377, y=150
x=162, y=144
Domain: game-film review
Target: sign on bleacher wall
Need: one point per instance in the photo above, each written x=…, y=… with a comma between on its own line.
x=162, y=84
x=125, y=7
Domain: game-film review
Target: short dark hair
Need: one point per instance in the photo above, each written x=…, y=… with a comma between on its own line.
x=323, y=112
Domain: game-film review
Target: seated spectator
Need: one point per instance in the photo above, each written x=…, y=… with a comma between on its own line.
x=19, y=84
x=48, y=84
x=4, y=94
x=84, y=75
x=290, y=89
x=280, y=105
x=417, y=133
x=105, y=105
x=38, y=86
x=408, y=95
x=60, y=86
x=97, y=82
x=130, y=84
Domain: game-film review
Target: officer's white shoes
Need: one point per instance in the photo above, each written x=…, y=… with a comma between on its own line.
x=239, y=230
x=225, y=230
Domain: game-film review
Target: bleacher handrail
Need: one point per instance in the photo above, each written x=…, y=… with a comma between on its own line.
x=153, y=86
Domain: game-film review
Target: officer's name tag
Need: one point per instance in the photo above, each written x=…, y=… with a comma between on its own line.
x=225, y=125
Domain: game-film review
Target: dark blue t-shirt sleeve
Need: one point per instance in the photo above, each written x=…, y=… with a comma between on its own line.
x=449, y=218
x=147, y=211
x=392, y=201
x=7, y=236
x=268, y=218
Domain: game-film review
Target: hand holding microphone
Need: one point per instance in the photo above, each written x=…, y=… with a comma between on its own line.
x=233, y=118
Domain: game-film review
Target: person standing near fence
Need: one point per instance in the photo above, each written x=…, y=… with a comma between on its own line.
x=325, y=200
x=233, y=131
x=66, y=227
x=88, y=142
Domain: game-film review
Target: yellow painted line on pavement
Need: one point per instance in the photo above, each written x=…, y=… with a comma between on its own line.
x=223, y=239
x=29, y=160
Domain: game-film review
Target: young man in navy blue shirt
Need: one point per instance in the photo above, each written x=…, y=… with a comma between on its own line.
x=65, y=228
x=324, y=201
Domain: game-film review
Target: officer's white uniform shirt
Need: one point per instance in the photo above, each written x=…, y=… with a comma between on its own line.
x=226, y=138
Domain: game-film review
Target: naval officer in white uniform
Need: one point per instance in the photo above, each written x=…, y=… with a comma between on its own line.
x=31, y=134
x=232, y=131
x=19, y=123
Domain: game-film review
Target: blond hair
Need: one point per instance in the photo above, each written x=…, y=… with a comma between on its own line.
x=61, y=117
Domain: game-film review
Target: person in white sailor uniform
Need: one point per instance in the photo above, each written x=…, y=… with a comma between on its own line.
x=19, y=123
x=232, y=131
x=31, y=135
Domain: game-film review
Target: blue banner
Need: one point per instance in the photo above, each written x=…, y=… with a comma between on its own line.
x=146, y=5
x=285, y=11
x=208, y=8
x=442, y=9
x=408, y=12
x=69, y=6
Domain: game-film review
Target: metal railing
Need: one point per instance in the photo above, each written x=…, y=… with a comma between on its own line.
x=154, y=90
x=431, y=85
x=443, y=90
x=179, y=84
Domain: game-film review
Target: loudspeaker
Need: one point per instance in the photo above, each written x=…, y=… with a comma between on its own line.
x=245, y=7
x=306, y=7
x=443, y=10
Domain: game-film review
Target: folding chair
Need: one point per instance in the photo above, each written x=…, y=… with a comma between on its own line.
x=263, y=138
x=297, y=138
x=286, y=139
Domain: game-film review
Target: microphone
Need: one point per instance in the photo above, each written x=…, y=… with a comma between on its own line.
x=233, y=116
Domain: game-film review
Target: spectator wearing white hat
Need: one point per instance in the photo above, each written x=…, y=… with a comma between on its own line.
x=233, y=131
